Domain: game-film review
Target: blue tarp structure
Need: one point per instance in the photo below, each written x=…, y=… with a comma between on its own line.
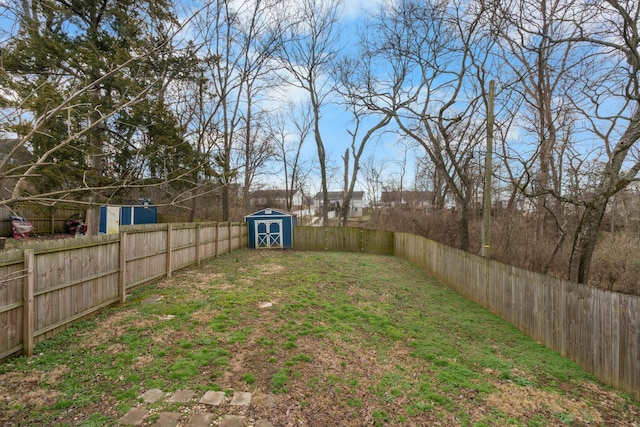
x=111, y=217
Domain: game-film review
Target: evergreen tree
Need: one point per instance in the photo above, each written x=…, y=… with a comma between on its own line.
x=118, y=128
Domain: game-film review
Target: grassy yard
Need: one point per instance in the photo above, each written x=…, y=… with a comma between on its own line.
x=328, y=339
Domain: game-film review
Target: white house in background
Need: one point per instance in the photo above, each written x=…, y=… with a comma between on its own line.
x=335, y=201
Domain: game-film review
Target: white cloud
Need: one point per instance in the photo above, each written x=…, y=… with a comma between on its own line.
x=351, y=9
x=356, y=8
x=281, y=95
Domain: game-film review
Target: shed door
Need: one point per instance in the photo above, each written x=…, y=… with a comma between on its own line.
x=268, y=234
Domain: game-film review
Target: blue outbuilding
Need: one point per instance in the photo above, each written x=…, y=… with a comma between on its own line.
x=112, y=217
x=270, y=228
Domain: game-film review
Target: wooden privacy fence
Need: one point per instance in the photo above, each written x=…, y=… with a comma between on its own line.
x=349, y=239
x=50, y=284
x=44, y=288
x=598, y=329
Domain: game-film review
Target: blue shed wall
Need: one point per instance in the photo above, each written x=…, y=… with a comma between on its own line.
x=288, y=221
x=130, y=215
x=140, y=214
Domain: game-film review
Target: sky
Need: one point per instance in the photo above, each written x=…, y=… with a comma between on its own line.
x=335, y=122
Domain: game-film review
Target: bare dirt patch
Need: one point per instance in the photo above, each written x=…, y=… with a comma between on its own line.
x=204, y=316
x=112, y=326
x=520, y=402
x=271, y=269
x=36, y=388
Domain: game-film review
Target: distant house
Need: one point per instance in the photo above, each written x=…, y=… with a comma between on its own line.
x=335, y=201
x=261, y=199
x=407, y=199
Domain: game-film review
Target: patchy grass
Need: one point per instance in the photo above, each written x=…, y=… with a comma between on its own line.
x=331, y=338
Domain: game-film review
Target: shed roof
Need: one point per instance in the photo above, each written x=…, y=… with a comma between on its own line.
x=263, y=212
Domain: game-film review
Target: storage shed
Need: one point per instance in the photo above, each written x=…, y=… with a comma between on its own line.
x=112, y=217
x=270, y=228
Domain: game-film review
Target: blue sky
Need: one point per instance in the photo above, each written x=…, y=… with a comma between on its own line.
x=335, y=121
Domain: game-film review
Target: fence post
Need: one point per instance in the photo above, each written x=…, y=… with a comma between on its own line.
x=169, y=252
x=198, y=244
x=52, y=221
x=27, y=308
x=232, y=229
x=230, y=236
x=217, y=246
x=122, y=285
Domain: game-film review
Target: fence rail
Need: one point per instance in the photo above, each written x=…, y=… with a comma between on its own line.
x=596, y=328
x=51, y=284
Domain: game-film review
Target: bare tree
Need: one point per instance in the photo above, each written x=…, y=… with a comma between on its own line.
x=430, y=178
x=262, y=35
x=289, y=143
x=543, y=74
x=578, y=67
x=372, y=174
x=430, y=50
x=354, y=77
x=259, y=149
x=243, y=36
x=308, y=56
x=614, y=74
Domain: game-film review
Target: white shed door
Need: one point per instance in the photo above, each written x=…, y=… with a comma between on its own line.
x=268, y=234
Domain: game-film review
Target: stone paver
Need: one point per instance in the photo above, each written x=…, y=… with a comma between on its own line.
x=151, y=396
x=200, y=420
x=232, y=421
x=213, y=398
x=134, y=417
x=182, y=396
x=241, y=399
x=137, y=416
x=167, y=419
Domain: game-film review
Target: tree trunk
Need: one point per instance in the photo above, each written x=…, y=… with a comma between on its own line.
x=325, y=190
x=321, y=158
x=225, y=202
x=346, y=199
x=464, y=227
x=612, y=182
x=584, y=242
